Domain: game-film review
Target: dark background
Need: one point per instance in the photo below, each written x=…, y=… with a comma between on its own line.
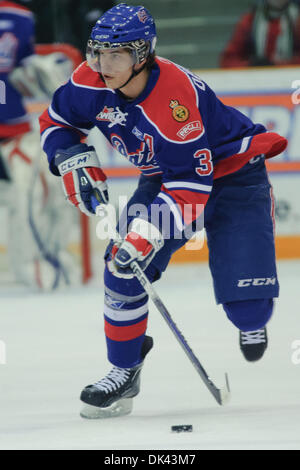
x=192, y=33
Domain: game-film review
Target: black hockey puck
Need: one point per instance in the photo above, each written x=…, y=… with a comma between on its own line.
x=182, y=428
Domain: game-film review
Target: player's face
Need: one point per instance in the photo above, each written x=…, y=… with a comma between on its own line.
x=115, y=66
x=277, y=3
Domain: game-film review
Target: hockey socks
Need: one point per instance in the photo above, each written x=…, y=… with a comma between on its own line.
x=125, y=327
x=125, y=319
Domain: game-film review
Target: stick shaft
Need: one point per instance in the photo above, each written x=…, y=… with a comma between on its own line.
x=141, y=276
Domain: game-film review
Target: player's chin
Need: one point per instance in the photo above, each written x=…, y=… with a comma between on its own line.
x=110, y=81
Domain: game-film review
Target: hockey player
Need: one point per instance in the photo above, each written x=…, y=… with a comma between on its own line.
x=35, y=244
x=192, y=152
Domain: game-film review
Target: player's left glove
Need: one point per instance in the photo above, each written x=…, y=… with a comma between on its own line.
x=141, y=244
x=82, y=177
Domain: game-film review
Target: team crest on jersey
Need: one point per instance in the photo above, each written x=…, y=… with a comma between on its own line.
x=114, y=116
x=142, y=16
x=179, y=112
x=142, y=157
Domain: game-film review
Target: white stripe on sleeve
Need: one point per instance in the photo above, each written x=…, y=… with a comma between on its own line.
x=47, y=133
x=245, y=143
x=57, y=117
x=187, y=185
x=173, y=208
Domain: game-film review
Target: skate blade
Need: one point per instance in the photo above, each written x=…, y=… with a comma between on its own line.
x=117, y=409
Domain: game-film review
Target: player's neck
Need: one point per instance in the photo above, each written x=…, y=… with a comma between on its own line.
x=136, y=85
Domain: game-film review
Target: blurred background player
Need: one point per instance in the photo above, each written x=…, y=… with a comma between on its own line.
x=267, y=35
x=192, y=151
x=35, y=242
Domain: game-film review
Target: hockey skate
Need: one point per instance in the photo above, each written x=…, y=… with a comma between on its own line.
x=253, y=344
x=113, y=395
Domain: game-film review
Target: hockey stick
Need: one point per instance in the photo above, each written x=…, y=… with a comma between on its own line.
x=221, y=395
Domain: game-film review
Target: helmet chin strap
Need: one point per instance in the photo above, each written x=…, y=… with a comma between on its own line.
x=134, y=73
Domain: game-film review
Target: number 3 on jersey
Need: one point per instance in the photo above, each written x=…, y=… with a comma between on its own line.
x=205, y=166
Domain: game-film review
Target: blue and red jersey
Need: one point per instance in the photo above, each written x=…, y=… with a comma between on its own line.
x=176, y=128
x=16, y=44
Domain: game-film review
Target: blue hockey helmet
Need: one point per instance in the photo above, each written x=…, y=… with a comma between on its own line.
x=125, y=26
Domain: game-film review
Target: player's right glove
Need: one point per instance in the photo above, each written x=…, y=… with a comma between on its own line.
x=141, y=244
x=82, y=176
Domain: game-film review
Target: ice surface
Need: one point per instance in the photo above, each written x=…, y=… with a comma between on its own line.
x=55, y=346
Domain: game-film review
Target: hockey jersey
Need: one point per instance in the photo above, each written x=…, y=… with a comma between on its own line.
x=16, y=43
x=177, y=128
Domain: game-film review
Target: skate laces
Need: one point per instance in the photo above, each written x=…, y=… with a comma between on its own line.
x=253, y=337
x=114, y=379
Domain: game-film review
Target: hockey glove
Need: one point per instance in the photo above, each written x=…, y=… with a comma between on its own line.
x=141, y=243
x=82, y=176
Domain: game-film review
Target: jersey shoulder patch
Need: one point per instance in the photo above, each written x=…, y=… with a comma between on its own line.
x=172, y=106
x=85, y=77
